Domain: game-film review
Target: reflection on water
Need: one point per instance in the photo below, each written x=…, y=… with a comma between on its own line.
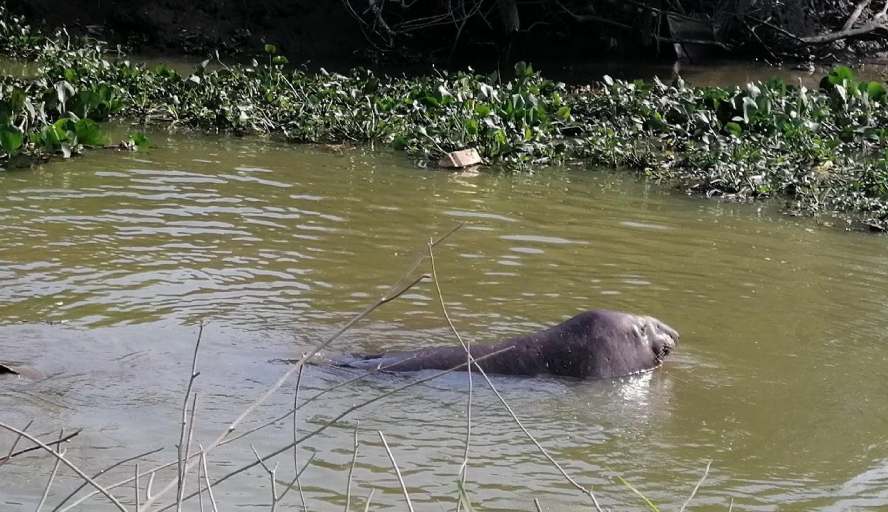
x=778, y=378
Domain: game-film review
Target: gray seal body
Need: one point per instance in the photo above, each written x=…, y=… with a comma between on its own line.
x=592, y=345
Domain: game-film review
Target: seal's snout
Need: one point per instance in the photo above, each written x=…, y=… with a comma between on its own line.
x=663, y=338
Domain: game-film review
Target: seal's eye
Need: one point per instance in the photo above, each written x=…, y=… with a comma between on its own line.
x=644, y=327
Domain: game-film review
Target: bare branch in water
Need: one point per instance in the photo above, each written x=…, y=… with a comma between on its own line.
x=15, y=443
x=296, y=437
x=397, y=471
x=509, y=409
x=536, y=503
x=68, y=463
x=298, y=475
x=35, y=448
x=312, y=399
x=351, y=470
x=393, y=293
x=55, y=469
x=271, y=472
x=138, y=497
x=345, y=413
x=182, y=449
x=100, y=473
x=696, y=487
x=464, y=467
x=187, y=451
x=203, y=461
x=369, y=497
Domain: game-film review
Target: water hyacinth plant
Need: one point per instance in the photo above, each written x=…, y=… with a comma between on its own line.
x=822, y=150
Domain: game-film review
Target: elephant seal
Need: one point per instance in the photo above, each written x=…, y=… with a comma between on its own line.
x=19, y=372
x=592, y=345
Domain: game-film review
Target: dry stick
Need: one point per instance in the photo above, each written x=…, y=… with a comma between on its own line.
x=296, y=437
x=463, y=469
x=312, y=399
x=369, y=497
x=536, y=502
x=697, y=487
x=35, y=448
x=508, y=408
x=731, y=506
x=298, y=475
x=388, y=297
x=15, y=443
x=138, y=498
x=271, y=472
x=203, y=460
x=182, y=448
x=97, y=475
x=55, y=469
x=77, y=470
x=199, y=488
x=52, y=475
x=149, y=474
x=345, y=413
x=351, y=471
x=397, y=471
x=188, y=449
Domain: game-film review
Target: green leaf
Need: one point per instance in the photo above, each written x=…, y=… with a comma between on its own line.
x=280, y=59
x=52, y=138
x=11, y=138
x=563, y=113
x=270, y=49
x=875, y=91
x=139, y=139
x=400, y=143
x=17, y=101
x=89, y=133
x=734, y=129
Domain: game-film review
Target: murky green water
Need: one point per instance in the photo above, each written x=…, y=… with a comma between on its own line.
x=779, y=379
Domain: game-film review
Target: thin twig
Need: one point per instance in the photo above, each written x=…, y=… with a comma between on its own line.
x=138, y=498
x=515, y=417
x=298, y=475
x=100, y=473
x=182, y=449
x=696, y=487
x=351, y=471
x=397, y=471
x=296, y=437
x=35, y=448
x=313, y=398
x=464, y=467
x=369, y=497
x=393, y=293
x=199, y=488
x=731, y=505
x=348, y=411
x=203, y=461
x=55, y=469
x=271, y=472
x=188, y=446
x=15, y=443
x=536, y=503
x=77, y=470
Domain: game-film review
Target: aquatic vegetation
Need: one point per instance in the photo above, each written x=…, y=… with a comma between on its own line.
x=823, y=150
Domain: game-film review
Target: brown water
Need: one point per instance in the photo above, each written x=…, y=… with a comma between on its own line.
x=779, y=378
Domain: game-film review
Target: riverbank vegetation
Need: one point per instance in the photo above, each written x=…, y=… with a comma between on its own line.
x=823, y=150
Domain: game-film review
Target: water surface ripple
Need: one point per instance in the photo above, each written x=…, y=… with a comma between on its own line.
x=778, y=380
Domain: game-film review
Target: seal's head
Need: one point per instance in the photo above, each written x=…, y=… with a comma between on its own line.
x=659, y=336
